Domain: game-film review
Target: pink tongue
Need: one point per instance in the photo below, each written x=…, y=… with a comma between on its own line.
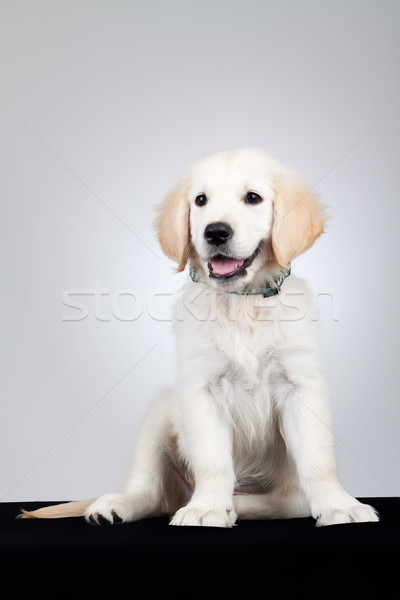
x=224, y=267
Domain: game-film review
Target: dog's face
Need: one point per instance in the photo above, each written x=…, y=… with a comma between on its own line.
x=235, y=214
x=231, y=212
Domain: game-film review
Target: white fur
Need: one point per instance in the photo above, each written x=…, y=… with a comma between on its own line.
x=246, y=431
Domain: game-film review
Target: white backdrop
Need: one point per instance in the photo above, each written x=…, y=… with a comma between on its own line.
x=102, y=105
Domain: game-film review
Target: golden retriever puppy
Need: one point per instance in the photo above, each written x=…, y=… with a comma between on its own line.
x=246, y=431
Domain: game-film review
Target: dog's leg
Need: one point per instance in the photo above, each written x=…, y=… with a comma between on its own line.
x=143, y=493
x=206, y=442
x=306, y=429
x=276, y=505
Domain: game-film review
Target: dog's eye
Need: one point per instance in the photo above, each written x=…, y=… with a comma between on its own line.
x=201, y=200
x=252, y=198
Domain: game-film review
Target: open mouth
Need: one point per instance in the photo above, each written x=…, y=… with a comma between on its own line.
x=225, y=267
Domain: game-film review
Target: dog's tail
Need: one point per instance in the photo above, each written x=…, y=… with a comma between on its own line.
x=57, y=511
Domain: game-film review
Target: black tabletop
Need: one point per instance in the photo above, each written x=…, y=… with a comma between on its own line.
x=252, y=557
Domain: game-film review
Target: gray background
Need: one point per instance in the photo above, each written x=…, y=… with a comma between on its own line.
x=102, y=105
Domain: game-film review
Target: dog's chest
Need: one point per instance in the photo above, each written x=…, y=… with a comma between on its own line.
x=245, y=345
x=232, y=356
x=219, y=332
x=244, y=351
x=244, y=390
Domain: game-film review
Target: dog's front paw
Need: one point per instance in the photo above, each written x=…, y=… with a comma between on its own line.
x=356, y=512
x=204, y=517
x=110, y=509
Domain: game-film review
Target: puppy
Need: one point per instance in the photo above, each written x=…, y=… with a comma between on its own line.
x=246, y=431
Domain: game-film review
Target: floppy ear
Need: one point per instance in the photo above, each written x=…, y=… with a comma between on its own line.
x=298, y=219
x=172, y=225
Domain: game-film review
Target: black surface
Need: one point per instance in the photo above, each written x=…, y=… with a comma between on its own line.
x=253, y=557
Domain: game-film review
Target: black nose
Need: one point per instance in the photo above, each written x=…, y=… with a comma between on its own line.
x=218, y=233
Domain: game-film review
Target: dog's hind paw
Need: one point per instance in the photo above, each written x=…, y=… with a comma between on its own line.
x=110, y=509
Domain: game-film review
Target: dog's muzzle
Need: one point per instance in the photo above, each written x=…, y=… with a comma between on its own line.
x=222, y=265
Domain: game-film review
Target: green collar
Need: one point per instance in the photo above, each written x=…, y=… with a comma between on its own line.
x=270, y=289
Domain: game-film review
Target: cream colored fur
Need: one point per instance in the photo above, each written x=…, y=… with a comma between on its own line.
x=246, y=431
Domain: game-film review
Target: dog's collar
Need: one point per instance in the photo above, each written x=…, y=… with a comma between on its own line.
x=270, y=289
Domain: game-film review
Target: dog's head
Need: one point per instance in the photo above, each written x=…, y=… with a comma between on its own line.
x=238, y=214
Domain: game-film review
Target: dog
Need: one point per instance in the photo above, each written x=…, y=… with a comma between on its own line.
x=246, y=432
